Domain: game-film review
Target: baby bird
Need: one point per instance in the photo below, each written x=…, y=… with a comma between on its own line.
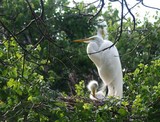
x=93, y=87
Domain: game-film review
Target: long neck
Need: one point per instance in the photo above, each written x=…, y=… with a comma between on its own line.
x=92, y=48
x=102, y=32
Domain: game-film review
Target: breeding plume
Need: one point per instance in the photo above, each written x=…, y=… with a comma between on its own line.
x=108, y=64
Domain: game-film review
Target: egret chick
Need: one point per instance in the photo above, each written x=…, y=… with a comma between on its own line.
x=94, y=95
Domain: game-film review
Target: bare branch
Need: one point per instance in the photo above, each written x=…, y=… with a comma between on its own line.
x=148, y=6
x=12, y=35
x=92, y=3
x=140, y=41
x=129, y=10
x=133, y=7
x=102, y=5
x=26, y=27
x=42, y=8
x=33, y=20
x=39, y=22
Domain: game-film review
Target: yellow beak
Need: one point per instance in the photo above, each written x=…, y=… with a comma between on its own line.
x=83, y=40
x=94, y=93
x=103, y=34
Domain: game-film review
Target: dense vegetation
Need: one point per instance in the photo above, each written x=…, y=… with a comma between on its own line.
x=43, y=74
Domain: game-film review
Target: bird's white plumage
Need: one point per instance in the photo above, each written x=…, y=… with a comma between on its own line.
x=107, y=62
x=93, y=87
x=108, y=65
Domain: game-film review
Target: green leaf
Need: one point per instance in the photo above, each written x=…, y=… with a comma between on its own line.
x=122, y=112
x=87, y=106
x=1, y=52
x=11, y=82
x=18, y=54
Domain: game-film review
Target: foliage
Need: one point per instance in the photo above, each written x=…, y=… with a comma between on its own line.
x=79, y=88
x=29, y=96
x=142, y=44
x=43, y=73
x=140, y=103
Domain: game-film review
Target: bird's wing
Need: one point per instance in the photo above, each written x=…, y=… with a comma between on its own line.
x=110, y=63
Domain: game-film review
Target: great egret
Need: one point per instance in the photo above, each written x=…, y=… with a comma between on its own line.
x=93, y=87
x=107, y=62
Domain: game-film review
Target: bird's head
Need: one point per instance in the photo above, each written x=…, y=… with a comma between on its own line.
x=93, y=86
x=90, y=39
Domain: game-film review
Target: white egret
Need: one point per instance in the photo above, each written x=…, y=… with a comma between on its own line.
x=107, y=62
x=93, y=87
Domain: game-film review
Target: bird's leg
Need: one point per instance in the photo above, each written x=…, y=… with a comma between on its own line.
x=110, y=90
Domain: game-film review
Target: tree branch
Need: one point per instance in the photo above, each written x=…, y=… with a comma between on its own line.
x=148, y=6
x=26, y=27
x=102, y=5
x=129, y=10
x=42, y=8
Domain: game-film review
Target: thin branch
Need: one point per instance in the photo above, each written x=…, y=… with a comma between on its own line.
x=46, y=34
x=26, y=27
x=148, y=6
x=12, y=35
x=121, y=25
x=24, y=54
x=135, y=46
x=17, y=105
x=92, y=3
x=140, y=41
x=33, y=13
x=42, y=8
x=129, y=10
x=102, y=5
x=79, y=11
x=23, y=64
x=40, y=40
x=132, y=8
